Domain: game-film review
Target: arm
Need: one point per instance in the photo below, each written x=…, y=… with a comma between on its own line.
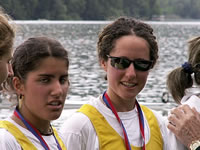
x=185, y=124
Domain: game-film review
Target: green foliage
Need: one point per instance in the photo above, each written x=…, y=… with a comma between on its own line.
x=185, y=9
x=51, y=9
x=75, y=8
x=99, y=9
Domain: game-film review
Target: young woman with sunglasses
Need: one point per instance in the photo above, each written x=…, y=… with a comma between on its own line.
x=127, y=50
x=7, y=35
x=40, y=66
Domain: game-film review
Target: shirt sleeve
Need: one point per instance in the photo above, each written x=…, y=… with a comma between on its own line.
x=170, y=140
x=78, y=133
x=174, y=142
x=8, y=141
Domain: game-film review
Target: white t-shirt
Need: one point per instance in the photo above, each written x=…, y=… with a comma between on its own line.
x=79, y=133
x=8, y=141
x=192, y=101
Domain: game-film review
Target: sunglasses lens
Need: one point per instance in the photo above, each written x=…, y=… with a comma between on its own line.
x=120, y=63
x=142, y=65
x=123, y=63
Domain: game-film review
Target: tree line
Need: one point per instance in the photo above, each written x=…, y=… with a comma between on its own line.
x=99, y=9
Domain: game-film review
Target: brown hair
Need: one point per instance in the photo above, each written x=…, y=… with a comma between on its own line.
x=178, y=80
x=7, y=33
x=126, y=26
x=28, y=55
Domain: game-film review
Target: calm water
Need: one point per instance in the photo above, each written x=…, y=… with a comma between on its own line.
x=87, y=78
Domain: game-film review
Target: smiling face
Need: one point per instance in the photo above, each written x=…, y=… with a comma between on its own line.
x=44, y=90
x=125, y=84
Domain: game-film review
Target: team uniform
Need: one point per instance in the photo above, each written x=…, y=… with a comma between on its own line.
x=98, y=129
x=15, y=137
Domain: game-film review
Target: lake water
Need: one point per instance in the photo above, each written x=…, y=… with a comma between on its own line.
x=87, y=78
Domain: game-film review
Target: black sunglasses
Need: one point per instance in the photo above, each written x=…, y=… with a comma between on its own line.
x=123, y=63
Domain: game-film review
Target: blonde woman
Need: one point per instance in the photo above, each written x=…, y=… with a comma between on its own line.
x=7, y=35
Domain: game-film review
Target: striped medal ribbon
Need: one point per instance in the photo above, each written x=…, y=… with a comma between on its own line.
x=34, y=131
x=109, y=104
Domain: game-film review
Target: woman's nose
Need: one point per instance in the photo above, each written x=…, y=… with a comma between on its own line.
x=57, y=89
x=130, y=71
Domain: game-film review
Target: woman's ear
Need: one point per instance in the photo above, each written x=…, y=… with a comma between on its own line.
x=103, y=64
x=18, y=85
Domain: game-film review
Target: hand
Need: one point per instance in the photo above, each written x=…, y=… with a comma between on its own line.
x=184, y=122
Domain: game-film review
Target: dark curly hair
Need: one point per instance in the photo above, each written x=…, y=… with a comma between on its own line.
x=178, y=80
x=126, y=26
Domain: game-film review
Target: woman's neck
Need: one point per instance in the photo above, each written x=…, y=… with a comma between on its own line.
x=120, y=104
x=42, y=126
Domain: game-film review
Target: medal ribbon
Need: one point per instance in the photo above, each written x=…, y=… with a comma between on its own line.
x=34, y=131
x=109, y=104
x=141, y=122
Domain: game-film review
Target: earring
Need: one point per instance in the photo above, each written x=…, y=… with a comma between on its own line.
x=21, y=98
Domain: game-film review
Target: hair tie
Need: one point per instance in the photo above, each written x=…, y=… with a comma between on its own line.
x=187, y=68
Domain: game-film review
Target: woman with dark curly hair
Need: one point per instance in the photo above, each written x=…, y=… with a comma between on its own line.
x=127, y=51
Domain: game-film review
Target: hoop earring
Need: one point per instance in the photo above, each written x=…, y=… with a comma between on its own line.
x=21, y=98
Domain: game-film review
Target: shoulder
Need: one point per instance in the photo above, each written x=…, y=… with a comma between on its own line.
x=78, y=132
x=8, y=141
x=78, y=123
x=161, y=119
x=75, y=123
